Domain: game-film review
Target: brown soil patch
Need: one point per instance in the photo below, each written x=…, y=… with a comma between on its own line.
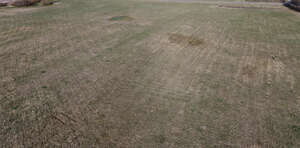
x=186, y=40
x=249, y=71
x=121, y=18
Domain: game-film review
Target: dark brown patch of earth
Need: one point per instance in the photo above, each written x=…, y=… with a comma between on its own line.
x=249, y=71
x=183, y=39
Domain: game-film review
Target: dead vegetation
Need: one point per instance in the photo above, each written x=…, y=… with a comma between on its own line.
x=249, y=71
x=193, y=76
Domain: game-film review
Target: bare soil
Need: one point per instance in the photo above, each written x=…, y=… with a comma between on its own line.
x=185, y=40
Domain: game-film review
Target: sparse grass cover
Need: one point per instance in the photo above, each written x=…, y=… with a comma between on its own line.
x=175, y=75
x=121, y=18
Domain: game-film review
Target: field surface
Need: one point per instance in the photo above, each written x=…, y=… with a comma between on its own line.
x=150, y=73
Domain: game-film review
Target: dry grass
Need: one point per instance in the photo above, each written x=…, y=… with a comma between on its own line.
x=247, y=7
x=179, y=75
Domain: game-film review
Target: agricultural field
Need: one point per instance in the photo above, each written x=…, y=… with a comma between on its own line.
x=150, y=74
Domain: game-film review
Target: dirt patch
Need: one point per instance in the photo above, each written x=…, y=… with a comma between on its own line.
x=121, y=18
x=249, y=71
x=184, y=40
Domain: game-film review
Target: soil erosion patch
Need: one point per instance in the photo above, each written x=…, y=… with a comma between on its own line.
x=185, y=40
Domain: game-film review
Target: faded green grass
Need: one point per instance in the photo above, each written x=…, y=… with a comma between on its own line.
x=71, y=77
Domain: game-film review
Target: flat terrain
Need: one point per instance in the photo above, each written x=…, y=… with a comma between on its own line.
x=147, y=74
